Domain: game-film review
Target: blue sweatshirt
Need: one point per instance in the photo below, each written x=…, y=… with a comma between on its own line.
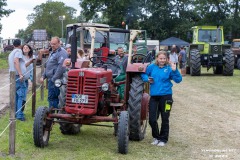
x=162, y=77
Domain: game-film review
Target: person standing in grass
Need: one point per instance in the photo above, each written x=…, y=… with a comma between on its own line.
x=54, y=70
x=17, y=64
x=159, y=75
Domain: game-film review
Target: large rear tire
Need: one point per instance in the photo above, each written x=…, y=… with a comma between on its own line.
x=41, y=127
x=137, y=125
x=66, y=128
x=195, y=62
x=228, y=67
x=123, y=132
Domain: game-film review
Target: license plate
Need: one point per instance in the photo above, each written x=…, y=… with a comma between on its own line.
x=215, y=55
x=79, y=98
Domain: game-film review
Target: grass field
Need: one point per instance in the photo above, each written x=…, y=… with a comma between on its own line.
x=204, y=124
x=3, y=60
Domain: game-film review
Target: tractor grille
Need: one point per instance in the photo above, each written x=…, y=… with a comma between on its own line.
x=81, y=85
x=216, y=49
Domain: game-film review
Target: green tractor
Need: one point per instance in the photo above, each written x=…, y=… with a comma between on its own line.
x=208, y=50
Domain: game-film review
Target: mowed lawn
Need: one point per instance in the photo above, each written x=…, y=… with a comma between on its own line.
x=186, y=141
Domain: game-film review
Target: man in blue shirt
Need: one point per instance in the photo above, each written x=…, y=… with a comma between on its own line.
x=54, y=70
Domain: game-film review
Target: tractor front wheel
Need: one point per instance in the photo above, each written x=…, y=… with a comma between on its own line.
x=195, y=62
x=229, y=63
x=123, y=132
x=41, y=127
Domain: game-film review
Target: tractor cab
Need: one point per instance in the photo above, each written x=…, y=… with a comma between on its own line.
x=208, y=50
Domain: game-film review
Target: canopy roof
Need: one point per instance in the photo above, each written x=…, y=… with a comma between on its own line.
x=173, y=40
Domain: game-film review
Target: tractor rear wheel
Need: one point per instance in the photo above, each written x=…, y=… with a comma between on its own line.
x=66, y=128
x=228, y=68
x=41, y=127
x=195, y=62
x=123, y=132
x=137, y=125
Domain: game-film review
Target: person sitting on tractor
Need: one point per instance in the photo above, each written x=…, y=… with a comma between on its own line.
x=104, y=51
x=121, y=60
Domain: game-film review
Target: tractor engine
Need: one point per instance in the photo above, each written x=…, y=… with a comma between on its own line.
x=86, y=88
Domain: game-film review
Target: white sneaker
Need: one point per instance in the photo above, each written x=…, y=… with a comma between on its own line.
x=161, y=144
x=155, y=141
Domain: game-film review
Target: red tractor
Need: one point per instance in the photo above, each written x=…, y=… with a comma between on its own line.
x=88, y=95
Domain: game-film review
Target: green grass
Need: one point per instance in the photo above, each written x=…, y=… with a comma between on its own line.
x=94, y=142
x=4, y=60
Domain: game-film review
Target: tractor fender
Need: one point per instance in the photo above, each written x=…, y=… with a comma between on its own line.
x=144, y=106
x=137, y=67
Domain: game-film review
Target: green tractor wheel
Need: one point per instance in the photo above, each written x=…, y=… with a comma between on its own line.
x=228, y=68
x=195, y=62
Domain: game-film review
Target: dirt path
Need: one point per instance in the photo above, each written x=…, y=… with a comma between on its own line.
x=206, y=117
x=4, y=90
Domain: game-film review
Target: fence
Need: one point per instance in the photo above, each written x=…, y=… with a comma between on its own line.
x=12, y=120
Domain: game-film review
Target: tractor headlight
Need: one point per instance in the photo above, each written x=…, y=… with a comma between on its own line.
x=58, y=83
x=105, y=86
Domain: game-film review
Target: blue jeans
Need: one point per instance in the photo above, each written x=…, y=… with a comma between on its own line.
x=20, y=95
x=53, y=93
x=26, y=91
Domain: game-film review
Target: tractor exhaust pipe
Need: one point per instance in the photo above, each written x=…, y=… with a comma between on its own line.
x=74, y=47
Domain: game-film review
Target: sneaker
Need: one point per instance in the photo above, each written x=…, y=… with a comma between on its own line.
x=161, y=144
x=155, y=141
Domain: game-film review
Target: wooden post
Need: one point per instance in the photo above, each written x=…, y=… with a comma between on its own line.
x=42, y=70
x=12, y=128
x=34, y=89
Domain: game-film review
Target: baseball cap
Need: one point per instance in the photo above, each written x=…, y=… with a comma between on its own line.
x=17, y=42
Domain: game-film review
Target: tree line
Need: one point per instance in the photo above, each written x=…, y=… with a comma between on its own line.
x=161, y=18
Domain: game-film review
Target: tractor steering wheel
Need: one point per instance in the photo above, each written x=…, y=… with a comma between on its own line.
x=98, y=61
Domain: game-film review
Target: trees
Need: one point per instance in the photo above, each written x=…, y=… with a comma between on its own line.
x=166, y=18
x=4, y=12
x=46, y=16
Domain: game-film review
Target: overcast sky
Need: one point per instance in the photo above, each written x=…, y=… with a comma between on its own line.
x=18, y=19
